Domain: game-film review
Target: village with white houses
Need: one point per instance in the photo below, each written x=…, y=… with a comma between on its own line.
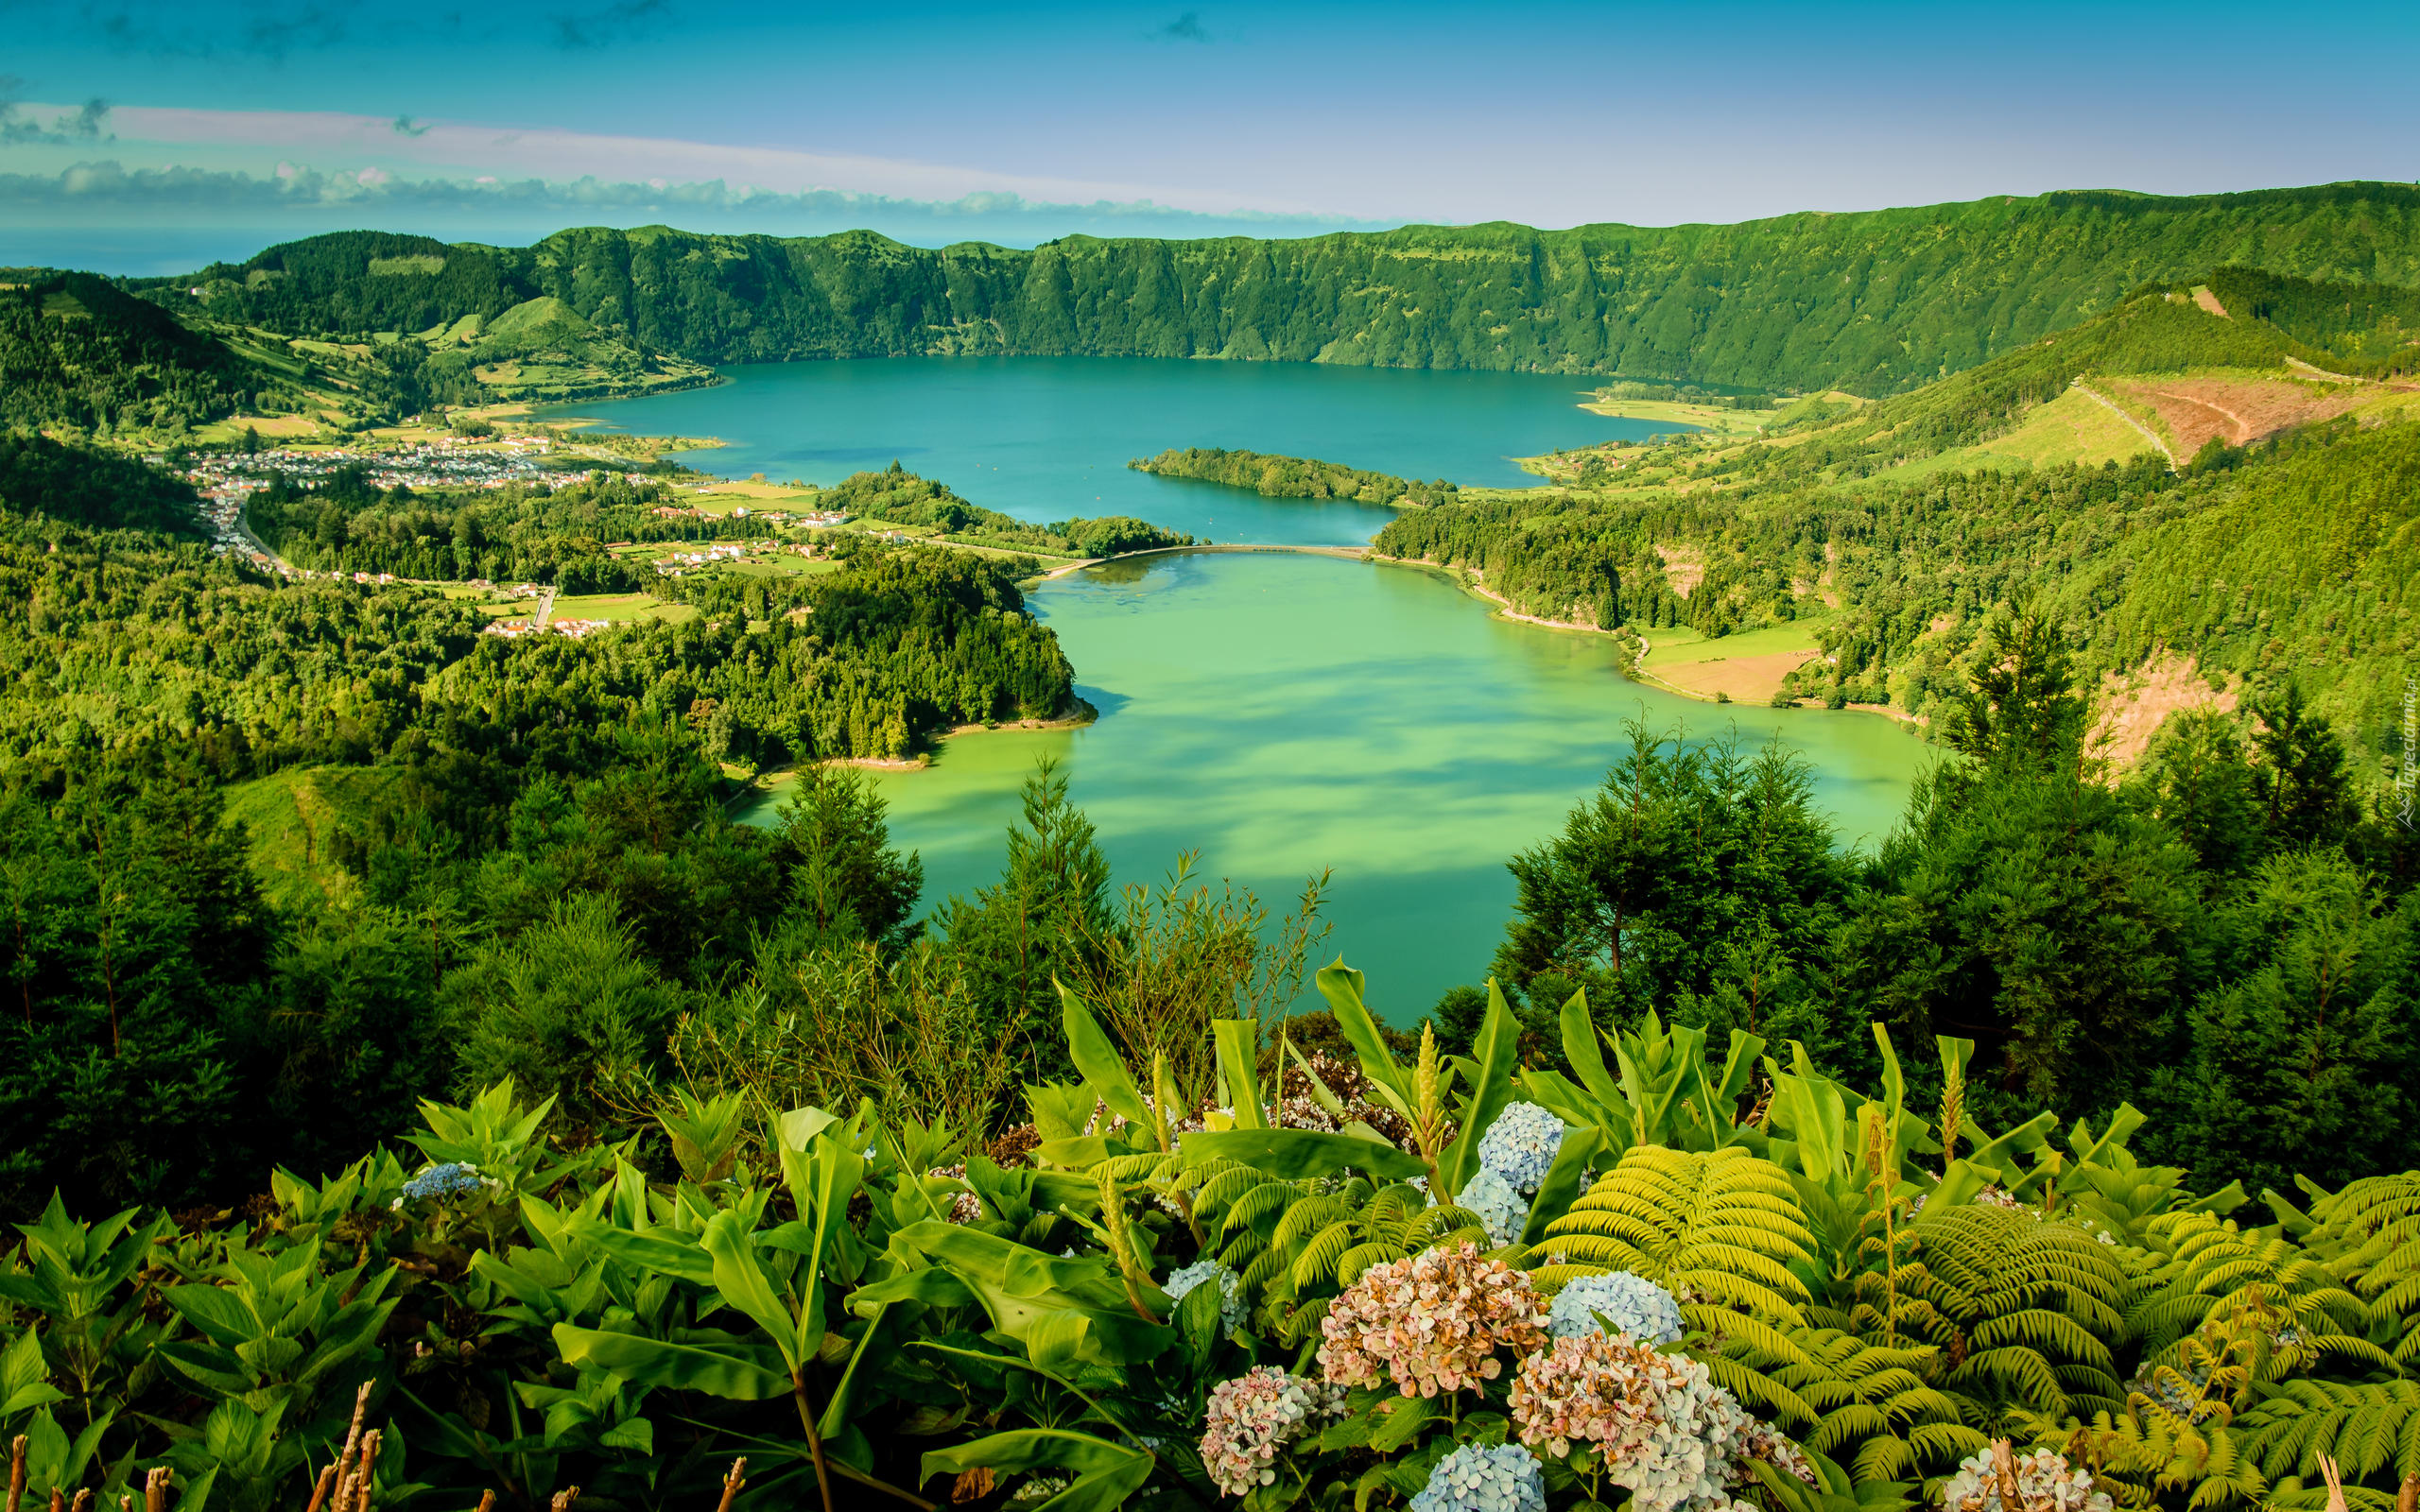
x=445, y=463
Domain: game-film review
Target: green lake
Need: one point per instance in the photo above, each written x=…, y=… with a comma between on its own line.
x=1280, y=715
x=1285, y=714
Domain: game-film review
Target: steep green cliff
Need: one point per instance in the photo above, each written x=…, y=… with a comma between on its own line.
x=1874, y=302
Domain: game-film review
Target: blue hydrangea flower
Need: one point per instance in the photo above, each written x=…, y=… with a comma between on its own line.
x=451, y=1180
x=1632, y=1304
x=1230, y=1290
x=1501, y=1210
x=1522, y=1143
x=1485, y=1478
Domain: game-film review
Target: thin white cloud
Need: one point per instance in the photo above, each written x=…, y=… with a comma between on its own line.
x=457, y=148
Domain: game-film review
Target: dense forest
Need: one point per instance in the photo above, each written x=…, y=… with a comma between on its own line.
x=1294, y=477
x=2226, y=939
x=710, y=1152
x=129, y=636
x=75, y=350
x=2292, y=559
x=1874, y=302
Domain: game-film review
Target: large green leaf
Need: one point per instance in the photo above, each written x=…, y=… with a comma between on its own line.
x=25, y=1379
x=1105, y=1473
x=742, y=1280
x=1291, y=1153
x=1586, y=1049
x=1496, y=1051
x=1341, y=986
x=1098, y=1062
x=665, y=1252
x=731, y=1367
x=1560, y=1187
x=821, y=1182
x=934, y=1286
x=1032, y=1297
x=1238, y=1042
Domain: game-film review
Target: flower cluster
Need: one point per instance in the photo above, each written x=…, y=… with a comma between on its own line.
x=1345, y=1080
x=1431, y=1323
x=1038, y=1489
x=1232, y=1310
x=1255, y=1416
x=1501, y=1210
x=1762, y=1441
x=2044, y=1484
x=1522, y=1145
x=1484, y=1478
x=965, y=1207
x=1666, y=1432
x=1631, y=1304
x=453, y=1178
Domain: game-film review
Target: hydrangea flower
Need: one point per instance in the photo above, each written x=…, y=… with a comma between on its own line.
x=2044, y=1484
x=453, y=1178
x=1255, y=1416
x=1522, y=1143
x=1631, y=1304
x=1666, y=1432
x=1431, y=1323
x=1230, y=1290
x=1501, y=1210
x=964, y=1206
x=1485, y=1478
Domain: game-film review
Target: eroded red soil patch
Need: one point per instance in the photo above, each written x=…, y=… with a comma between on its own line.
x=2235, y=410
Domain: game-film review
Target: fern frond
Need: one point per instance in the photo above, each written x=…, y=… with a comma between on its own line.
x=1722, y=1225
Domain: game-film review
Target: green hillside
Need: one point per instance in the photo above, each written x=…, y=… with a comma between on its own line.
x=76, y=350
x=1887, y=536
x=1872, y=301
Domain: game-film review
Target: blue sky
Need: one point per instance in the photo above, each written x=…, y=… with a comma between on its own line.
x=940, y=121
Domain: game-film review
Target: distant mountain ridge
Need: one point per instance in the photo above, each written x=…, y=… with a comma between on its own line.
x=1873, y=302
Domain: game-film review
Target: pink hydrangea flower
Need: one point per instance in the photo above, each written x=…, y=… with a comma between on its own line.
x=1435, y=1322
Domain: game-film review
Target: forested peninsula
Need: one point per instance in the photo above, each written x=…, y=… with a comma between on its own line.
x=1294, y=477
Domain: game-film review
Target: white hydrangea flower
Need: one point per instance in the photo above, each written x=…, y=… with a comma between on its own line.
x=1668, y=1433
x=1501, y=1210
x=1631, y=1304
x=1255, y=1416
x=2044, y=1484
x=1522, y=1145
x=1232, y=1310
x=1485, y=1478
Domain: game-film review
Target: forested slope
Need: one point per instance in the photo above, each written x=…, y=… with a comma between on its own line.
x=130, y=635
x=75, y=349
x=1872, y=301
x=1896, y=533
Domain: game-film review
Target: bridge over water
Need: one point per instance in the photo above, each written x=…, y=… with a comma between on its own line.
x=1348, y=553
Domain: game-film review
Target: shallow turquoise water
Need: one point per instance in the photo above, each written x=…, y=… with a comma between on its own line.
x=1049, y=437
x=1284, y=715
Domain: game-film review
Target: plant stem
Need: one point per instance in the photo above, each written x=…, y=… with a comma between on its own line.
x=814, y=1435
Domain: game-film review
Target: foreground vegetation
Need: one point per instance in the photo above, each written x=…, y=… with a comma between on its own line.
x=1691, y=1278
